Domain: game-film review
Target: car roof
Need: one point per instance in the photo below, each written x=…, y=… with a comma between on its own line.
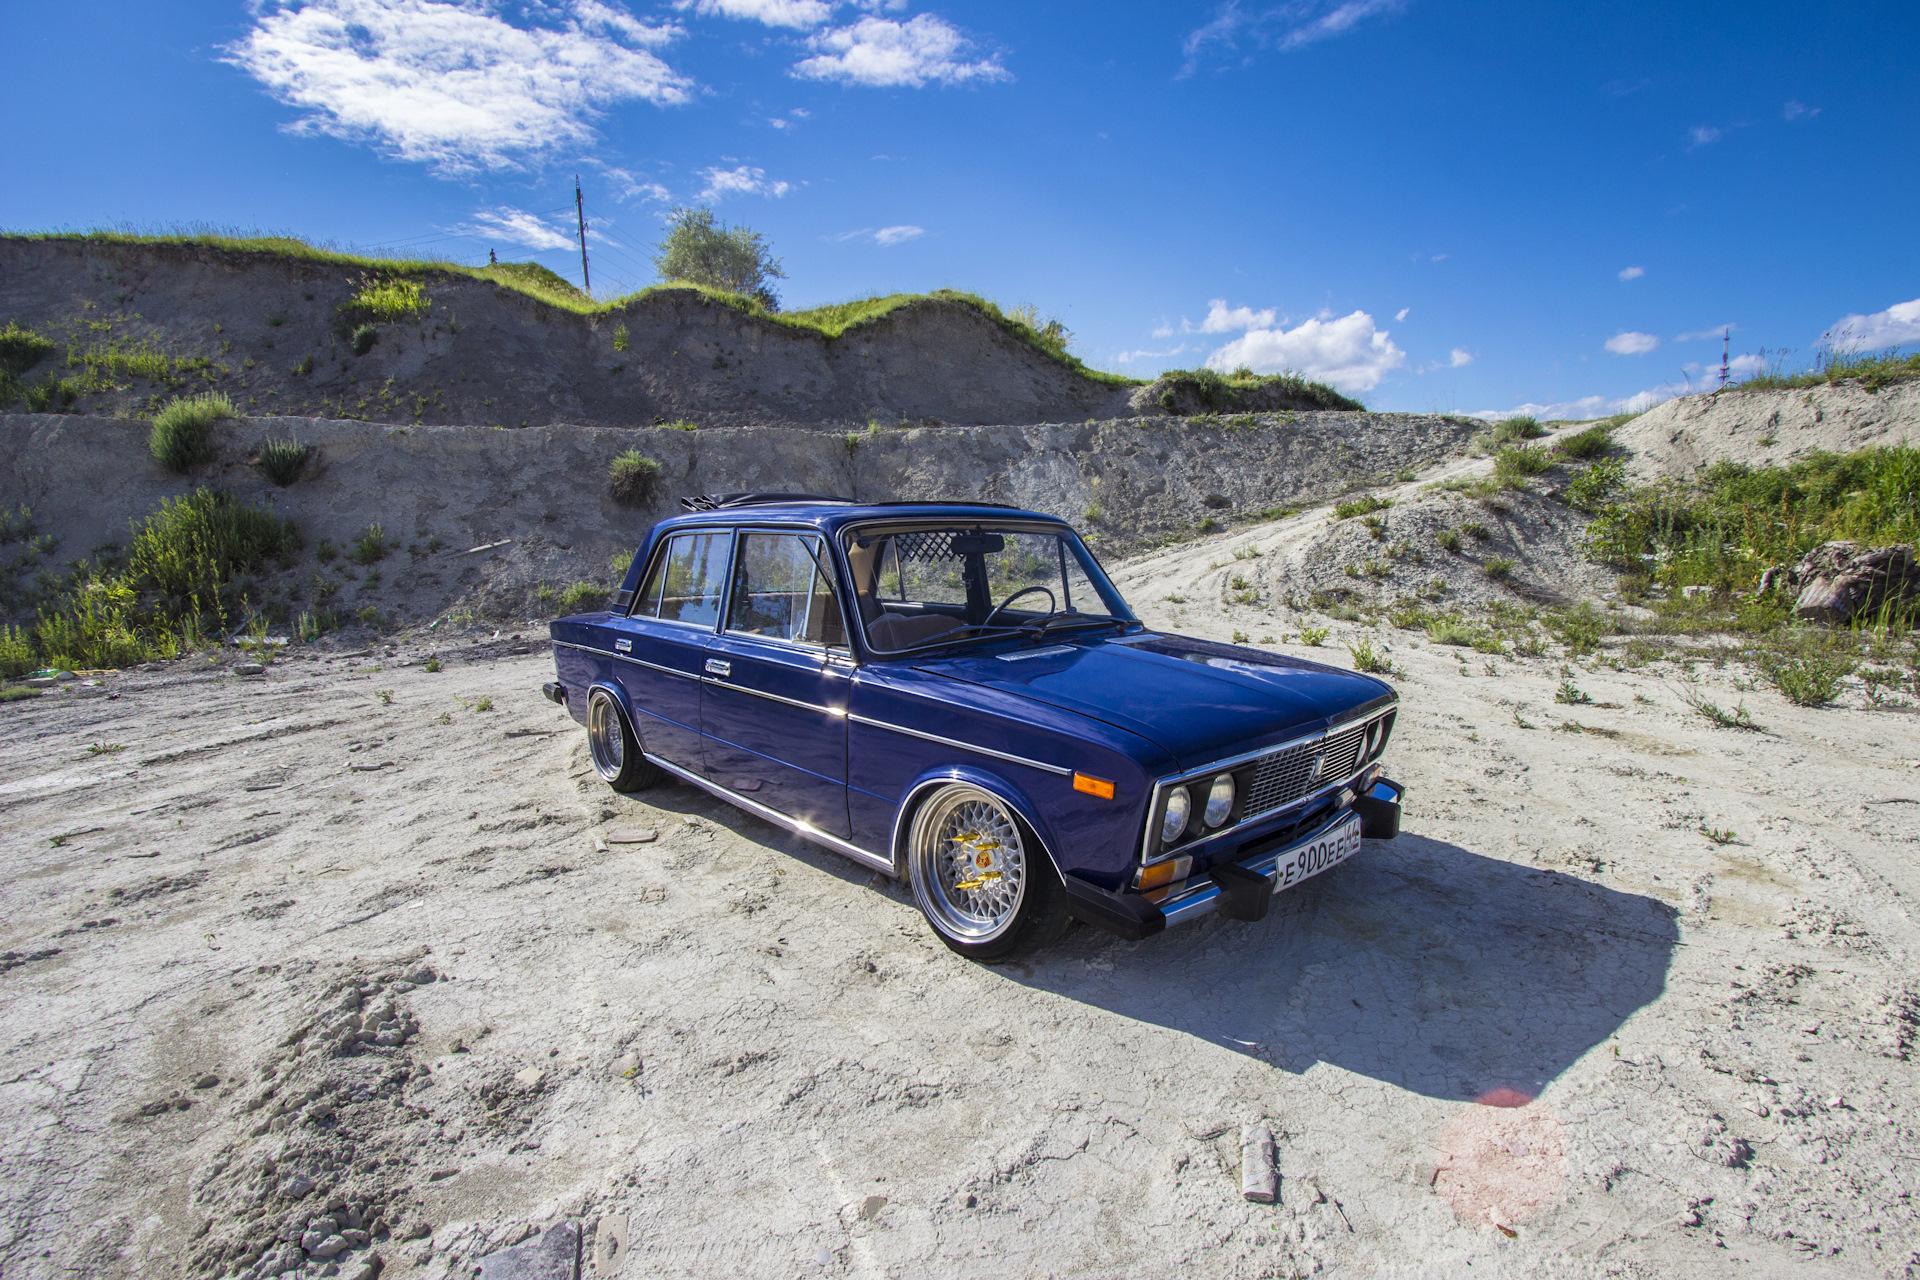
x=831, y=514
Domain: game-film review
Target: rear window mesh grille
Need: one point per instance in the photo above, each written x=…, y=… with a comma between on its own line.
x=1287, y=775
x=937, y=545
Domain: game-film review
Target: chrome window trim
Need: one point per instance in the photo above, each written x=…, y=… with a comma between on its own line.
x=962, y=746
x=837, y=712
x=666, y=540
x=1233, y=762
x=804, y=830
x=826, y=553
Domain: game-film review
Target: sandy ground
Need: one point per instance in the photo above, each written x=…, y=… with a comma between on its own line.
x=757, y=1053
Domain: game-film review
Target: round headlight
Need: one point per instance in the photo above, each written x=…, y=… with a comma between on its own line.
x=1179, y=805
x=1220, y=800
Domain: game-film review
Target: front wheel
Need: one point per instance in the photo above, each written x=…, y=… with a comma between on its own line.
x=981, y=878
x=616, y=752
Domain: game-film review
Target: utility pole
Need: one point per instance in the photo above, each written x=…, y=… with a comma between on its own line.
x=580, y=208
x=1726, y=338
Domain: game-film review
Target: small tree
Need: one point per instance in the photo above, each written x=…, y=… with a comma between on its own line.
x=700, y=249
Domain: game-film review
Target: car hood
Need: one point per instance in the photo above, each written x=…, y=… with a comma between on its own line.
x=1197, y=699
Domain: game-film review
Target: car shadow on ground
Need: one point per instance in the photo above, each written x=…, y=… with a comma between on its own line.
x=1418, y=963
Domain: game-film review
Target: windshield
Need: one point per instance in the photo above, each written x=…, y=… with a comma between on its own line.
x=925, y=584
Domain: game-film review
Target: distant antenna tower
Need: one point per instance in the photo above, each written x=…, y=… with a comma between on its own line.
x=1726, y=338
x=580, y=208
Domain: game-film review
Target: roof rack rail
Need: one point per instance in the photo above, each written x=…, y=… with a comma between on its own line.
x=722, y=501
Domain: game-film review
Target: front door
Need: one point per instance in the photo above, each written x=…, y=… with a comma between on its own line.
x=773, y=691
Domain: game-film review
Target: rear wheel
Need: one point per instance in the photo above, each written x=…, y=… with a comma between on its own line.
x=616, y=752
x=981, y=878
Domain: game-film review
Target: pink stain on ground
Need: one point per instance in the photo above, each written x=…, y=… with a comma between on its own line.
x=1502, y=1160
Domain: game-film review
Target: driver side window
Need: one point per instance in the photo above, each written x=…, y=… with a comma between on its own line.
x=782, y=591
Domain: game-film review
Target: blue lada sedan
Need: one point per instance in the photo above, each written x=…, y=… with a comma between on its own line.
x=955, y=693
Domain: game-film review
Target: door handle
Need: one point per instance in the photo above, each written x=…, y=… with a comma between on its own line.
x=715, y=667
x=624, y=646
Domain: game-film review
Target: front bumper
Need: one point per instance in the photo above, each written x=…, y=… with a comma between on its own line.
x=1239, y=890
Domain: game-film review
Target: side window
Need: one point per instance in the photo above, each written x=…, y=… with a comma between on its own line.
x=685, y=583
x=781, y=591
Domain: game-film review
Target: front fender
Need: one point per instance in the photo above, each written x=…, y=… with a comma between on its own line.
x=925, y=785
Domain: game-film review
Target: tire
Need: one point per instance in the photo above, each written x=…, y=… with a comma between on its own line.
x=982, y=878
x=615, y=751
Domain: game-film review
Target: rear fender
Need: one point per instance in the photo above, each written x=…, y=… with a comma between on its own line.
x=619, y=695
x=927, y=783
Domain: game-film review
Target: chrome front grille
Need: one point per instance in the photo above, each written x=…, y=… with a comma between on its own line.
x=1288, y=774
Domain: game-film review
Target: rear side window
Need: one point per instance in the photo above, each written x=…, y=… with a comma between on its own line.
x=686, y=581
x=781, y=591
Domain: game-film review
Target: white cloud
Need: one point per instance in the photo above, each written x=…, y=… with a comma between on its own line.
x=1711, y=331
x=1401, y=314
x=742, y=180
x=1897, y=326
x=627, y=187
x=1629, y=343
x=1459, y=356
x=1632, y=273
x=1703, y=135
x=881, y=52
x=1795, y=110
x=774, y=13
x=1284, y=26
x=1221, y=320
x=1585, y=407
x=453, y=85
x=887, y=237
x=516, y=226
x=1163, y=331
x=1128, y=357
x=1348, y=352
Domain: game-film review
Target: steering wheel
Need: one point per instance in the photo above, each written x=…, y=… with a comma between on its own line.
x=1024, y=591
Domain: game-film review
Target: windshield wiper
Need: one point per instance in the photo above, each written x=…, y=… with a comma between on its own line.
x=980, y=629
x=1073, y=618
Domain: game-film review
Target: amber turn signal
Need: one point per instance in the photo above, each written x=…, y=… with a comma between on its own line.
x=1093, y=786
x=1163, y=873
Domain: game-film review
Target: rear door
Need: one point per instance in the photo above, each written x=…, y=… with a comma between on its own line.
x=774, y=684
x=661, y=644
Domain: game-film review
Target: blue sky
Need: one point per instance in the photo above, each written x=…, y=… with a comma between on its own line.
x=1433, y=205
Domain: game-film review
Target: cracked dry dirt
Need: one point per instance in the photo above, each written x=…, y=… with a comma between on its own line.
x=758, y=1054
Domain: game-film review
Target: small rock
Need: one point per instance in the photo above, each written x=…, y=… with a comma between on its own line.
x=632, y=836
x=311, y=1238
x=870, y=1207
x=554, y=1255
x=249, y=669
x=296, y=1186
x=327, y=1248
x=1758, y=1108
x=388, y=1039
x=207, y=1081
x=1836, y=1102
x=361, y=1269
x=401, y=988
x=610, y=1244
x=355, y=1237
x=39, y=682
x=821, y=1256
x=421, y=977
x=530, y=1078
x=1259, y=1179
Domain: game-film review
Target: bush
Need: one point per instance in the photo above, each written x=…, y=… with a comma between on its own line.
x=1588, y=444
x=1514, y=464
x=20, y=350
x=582, y=595
x=1599, y=482
x=1806, y=669
x=1451, y=631
x=631, y=478
x=370, y=546
x=363, y=339
x=49, y=396
x=1314, y=637
x=1366, y=504
x=390, y=300
x=1499, y=568
x=1215, y=392
x=1373, y=663
x=182, y=435
x=700, y=249
x=283, y=460
x=16, y=652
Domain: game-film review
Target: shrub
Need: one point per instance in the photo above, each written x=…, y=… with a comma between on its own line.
x=182, y=435
x=370, y=546
x=1499, y=568
x=631, y=478
x=51, y=395
x=581, y=595
x=620, y=562
x=1599, y=482
x=1449, y=539
x=1214, y=392
x=1314, y=637
x=20, y=350
x=1450, y=631
x=620, y=337
x=1524, y=427
x=1514, y=464
x=1806, y=669
x=284, y=460
x=16, y=652
x=1587, y=444
x=1092, y=514
x=1366, y=504
x=1208, y=525
x=1570, y=694
x=702, y=250
x=363, y=339
x=1477, y=531
x=389, y=300
x=1373, y=663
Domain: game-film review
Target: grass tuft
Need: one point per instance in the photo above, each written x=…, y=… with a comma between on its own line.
x=182, y=435
x=283, y=461
x=1366, y=504
x=631, y=478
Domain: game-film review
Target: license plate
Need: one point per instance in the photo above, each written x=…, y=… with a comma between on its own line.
x=1304, y=861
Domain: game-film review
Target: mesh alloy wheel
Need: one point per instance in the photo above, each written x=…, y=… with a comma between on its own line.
x=969, y=864
x=616, y=753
